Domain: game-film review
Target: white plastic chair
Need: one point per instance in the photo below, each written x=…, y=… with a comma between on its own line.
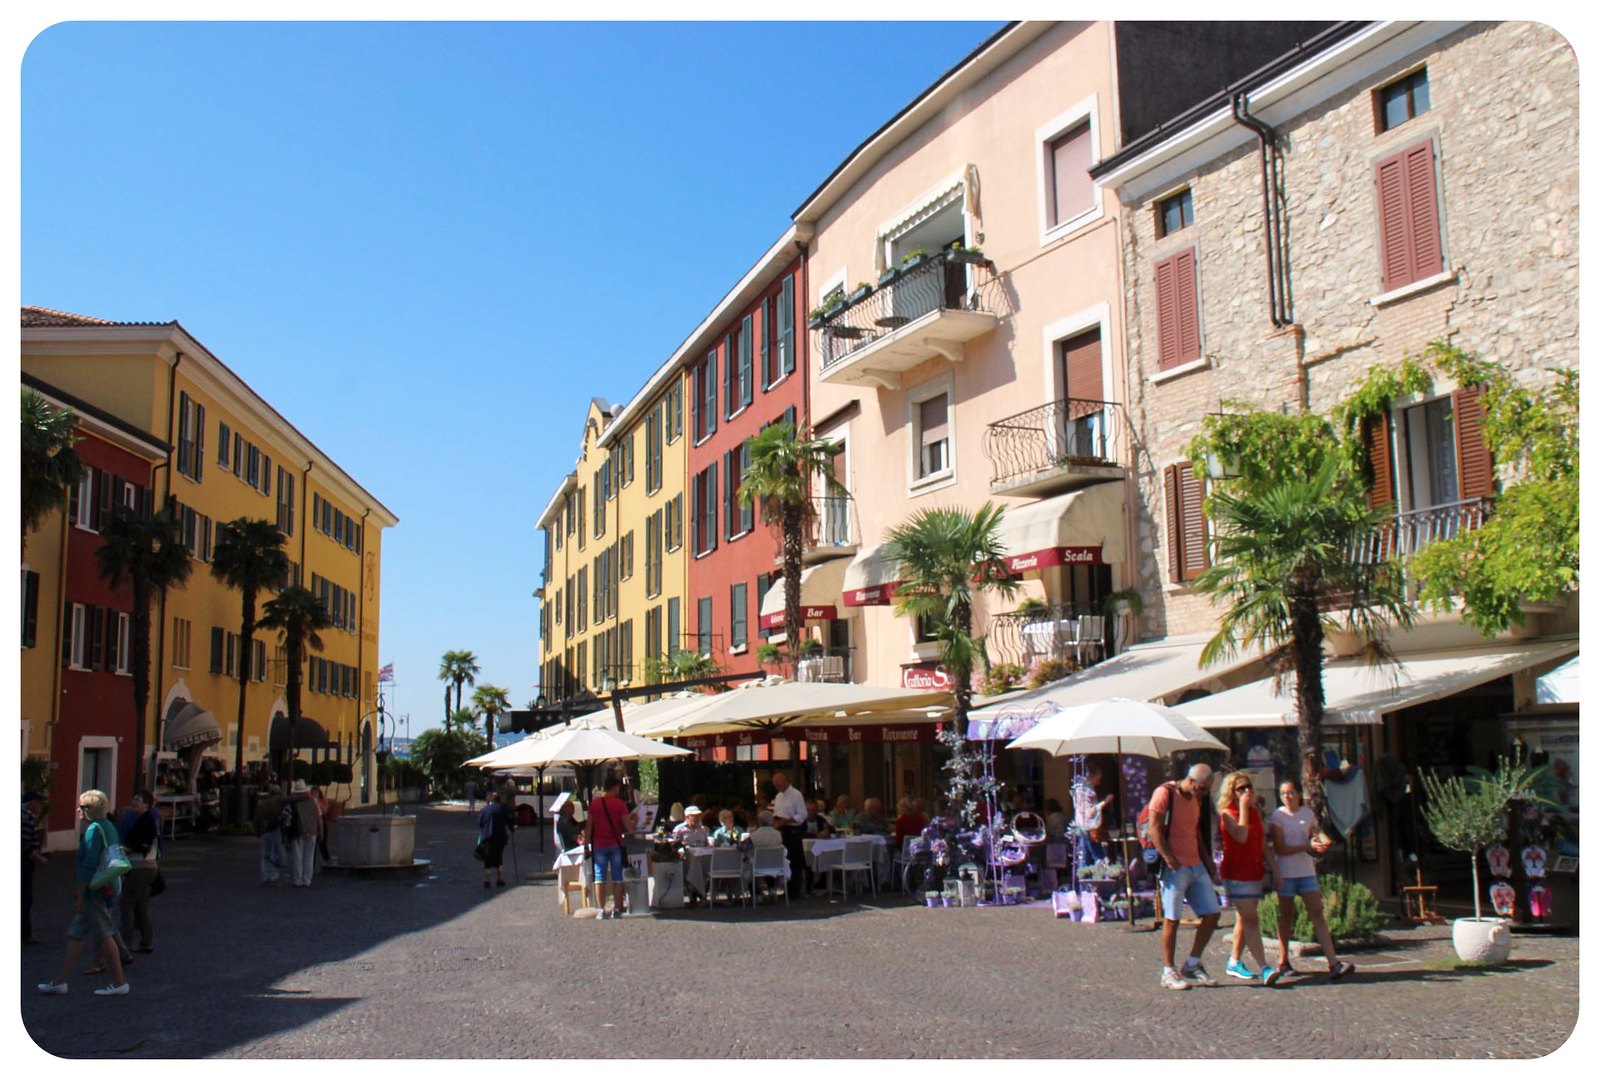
x=770, y=864
x=1091, y=636
x=727, y=864
x=833, y=669
x=899, y=859
x=860, y=857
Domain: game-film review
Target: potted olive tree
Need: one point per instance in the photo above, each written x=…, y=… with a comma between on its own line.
x=1468, y=814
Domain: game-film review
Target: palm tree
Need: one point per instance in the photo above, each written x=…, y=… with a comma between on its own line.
x=940, y=553
x=297, y=614
x=1285, y=565
x=50, y=466
x=458, y=666
x=148, y=552
x=248, y=556
x=489, y=702
x=782, y=467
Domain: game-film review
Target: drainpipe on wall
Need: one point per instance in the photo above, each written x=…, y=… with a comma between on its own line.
x=1271, y=212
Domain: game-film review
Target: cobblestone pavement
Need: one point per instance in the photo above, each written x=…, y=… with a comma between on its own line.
x=439, y=967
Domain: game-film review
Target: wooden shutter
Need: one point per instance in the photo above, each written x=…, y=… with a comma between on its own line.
x=1186, y=523
x=67, y=620
x=1474, y=465
x=711, y=506
x=1408, y=216
x=1377, y=435
x=730, y=375
x=101, y=505
x=1177, y=310
x=30, y=609
x=1080, y=357
x=97, y=638
x=786, y=344
x=216, y=650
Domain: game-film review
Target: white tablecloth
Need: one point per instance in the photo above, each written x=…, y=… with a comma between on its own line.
x=824, y=855
x=699, y=865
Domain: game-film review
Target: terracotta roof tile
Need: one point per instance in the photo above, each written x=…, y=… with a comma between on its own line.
x=43, y=316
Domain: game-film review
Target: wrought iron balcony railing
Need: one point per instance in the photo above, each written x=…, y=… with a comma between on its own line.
x=948, y=280
x=1058, y=435
x=833, y=664
x=833, y=525
x=1076, y=633
x=1410, y=532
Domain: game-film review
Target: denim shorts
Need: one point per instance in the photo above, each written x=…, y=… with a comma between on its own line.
x=94, y=921
x=608, y=864
x=1296, y=886
x=1244, y=890
x=1190, y=883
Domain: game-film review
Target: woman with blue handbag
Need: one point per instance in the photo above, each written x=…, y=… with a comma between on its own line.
x=100, y=866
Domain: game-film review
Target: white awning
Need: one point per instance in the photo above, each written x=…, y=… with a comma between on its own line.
x=1559, y=687
x=1359, y=693
x=1084, y=526
x=870, y=578
x=1153, y=671
x=820, y=586
x=189, y=725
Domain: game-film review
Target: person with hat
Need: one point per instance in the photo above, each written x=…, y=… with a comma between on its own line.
x=303, y=845
x=32, y=856
x=691, y=833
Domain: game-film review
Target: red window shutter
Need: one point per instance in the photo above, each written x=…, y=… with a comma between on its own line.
x=1081, y=361
x=1166, y=316
x=1174, y=523
x=1375, y=433
x=1426, y=255
x=1408, y=216
x=1177, y=310
x=1474, y=465
x=1195, y=556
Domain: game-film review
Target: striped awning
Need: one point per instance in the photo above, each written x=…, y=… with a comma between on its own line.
x=188, y=725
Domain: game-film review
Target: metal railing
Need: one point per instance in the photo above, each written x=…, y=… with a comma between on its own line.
x=1078, y=633
x=940, y=282
x=1072, y=431
x=1410, y=532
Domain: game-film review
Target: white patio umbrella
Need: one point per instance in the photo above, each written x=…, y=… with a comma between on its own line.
x=772, y=705
x=575, y=746
x=1117, y=726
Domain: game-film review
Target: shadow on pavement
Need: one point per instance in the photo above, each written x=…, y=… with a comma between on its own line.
x=228, y=948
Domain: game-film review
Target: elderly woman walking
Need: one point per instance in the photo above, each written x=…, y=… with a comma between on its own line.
x=91, y=920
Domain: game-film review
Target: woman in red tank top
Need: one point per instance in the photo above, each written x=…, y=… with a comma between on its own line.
x=1244, y=853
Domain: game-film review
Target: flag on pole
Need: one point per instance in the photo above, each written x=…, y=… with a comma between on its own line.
x=386, y=672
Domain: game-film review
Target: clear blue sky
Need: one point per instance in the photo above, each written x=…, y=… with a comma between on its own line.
x=429, y=245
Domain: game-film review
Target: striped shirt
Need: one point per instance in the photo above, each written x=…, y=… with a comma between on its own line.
x=32, y=839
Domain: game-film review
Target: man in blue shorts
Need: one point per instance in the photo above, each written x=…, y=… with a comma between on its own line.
x=1177, y=811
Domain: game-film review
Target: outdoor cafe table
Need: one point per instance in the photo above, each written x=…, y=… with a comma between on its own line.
x=571, y=868
x=823, y=855
x=699, y=865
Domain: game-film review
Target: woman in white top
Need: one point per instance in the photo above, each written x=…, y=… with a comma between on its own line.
x=1295, y=838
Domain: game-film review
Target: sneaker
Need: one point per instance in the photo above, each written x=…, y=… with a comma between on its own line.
x=1269, y=976
x=1287, y=970
x=1340, y=970
x=112, y=990
x=1196, y=973
x=1173, y=981
x=1238, y=970
x=52, y=988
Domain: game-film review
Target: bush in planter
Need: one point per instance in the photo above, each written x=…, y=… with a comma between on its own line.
x=1468, y=814
x=1049, y=671
x=1352, y=911
x=1001, y=678
x=768, y=653
x=811, y=648
x=1032, y=608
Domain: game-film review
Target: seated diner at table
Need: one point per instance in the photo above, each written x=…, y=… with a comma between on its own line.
x=727, y=832
x=842, y=817
x=691, y=832
x=766, y=834
x=909, y=822
x=817, y=821
x=871, y=822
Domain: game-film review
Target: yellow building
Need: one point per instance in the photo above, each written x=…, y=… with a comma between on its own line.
x=613, y=587
x=233, y=455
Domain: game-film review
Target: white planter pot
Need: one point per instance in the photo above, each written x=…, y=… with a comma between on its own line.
x=1485, y=941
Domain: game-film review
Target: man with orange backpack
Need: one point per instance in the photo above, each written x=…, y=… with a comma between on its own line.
x=1179, y=816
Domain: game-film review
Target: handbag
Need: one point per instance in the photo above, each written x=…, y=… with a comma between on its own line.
x=113, y=862
x=158, y=884
x=477, y=851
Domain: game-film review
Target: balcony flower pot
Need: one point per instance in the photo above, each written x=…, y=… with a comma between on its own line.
x=968, y=257
x=913, y=260
x=863, y=290
x=889, y=276
x=1482, y=940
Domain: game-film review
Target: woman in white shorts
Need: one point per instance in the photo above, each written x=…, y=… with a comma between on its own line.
x=1294, y=840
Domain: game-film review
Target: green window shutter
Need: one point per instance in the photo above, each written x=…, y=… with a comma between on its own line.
x=786, y=325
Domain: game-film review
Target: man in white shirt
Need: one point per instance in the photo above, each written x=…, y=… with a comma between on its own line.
x=789, y=814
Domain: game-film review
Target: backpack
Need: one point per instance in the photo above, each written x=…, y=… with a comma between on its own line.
x=289, y=821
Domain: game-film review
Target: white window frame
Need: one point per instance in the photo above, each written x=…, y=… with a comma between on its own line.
x=124, y=642
x=1097, y=316
x=98, y=742
x=840, y=281
x=915, y=396
x=1087, y=109
x=78, y=626
x=86, y=502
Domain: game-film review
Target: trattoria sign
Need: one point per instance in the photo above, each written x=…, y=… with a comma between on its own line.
x=925, y=677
